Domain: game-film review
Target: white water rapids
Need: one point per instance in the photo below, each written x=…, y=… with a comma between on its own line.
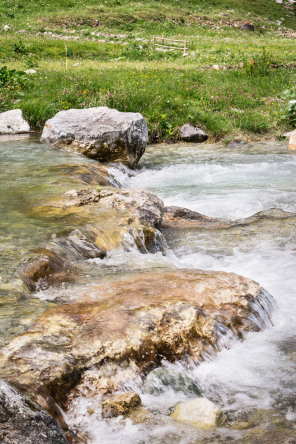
x=252, y=381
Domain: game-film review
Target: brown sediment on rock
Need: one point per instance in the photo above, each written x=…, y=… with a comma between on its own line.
x=91, y=174
x=117, y=331
x=178, y=217
x=54, y=263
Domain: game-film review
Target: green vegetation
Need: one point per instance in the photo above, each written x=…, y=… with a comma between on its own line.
x=100, y=53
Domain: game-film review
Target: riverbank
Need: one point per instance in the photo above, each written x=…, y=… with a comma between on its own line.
x=235, y=82
x=228, y=104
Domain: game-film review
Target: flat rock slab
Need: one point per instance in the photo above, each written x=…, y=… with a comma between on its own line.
x=100, y=133
x=12, y=122
x=114, y=332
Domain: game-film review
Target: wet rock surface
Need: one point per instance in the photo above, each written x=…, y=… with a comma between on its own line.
x=24, y=421
x=120, y=404
x=178, y=217
x=107, y=219
x=100, y=133
x=53, y=264
x=161, y=378
x=200, y=413
x=91, y=174
x=183, y=218
x=119, y=330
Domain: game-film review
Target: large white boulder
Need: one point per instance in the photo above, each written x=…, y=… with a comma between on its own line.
x=12, y=122
x=199, y=412
x=100, y=133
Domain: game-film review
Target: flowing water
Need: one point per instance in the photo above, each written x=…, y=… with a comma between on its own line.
x=252, y=381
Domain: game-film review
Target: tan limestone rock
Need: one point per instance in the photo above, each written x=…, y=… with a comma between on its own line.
x=120, y=404
x=115, y=331
x=292, y=142
x=199, y=412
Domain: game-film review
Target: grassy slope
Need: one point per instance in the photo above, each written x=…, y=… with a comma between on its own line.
x=107, y=65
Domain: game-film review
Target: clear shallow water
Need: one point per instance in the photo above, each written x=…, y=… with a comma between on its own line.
x=253, y=382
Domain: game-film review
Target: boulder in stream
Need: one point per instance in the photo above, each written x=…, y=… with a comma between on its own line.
x=113, y=332
x=100, y=133
x=12, y=122
x=24, y=421
x=200, y=413
x=179, y=217
x=190, y=133
x=120, y=404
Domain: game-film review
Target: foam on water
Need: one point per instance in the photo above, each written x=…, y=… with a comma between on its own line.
x=258, y=373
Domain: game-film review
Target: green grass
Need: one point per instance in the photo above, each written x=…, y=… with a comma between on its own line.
x=223, y=102
x=103, y=62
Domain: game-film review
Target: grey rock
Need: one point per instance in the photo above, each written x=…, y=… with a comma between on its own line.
x=100, y=133
x=247, y=27
x=24, y=421
x=12, y=122
x=162, y=378
x=189, y=133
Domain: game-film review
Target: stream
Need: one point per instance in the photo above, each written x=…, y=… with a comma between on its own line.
x=253, y=381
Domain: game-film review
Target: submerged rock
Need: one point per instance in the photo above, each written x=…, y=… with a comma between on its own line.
x=91, y=174
x=54, y=262
x=120, y=404
x=200, y=413
x=24, y=421
x=100, y=133
x=116, y=331
x=161, y=378
x=12, y=122
x=178, y=217
x=190, y=133
x=109, y=219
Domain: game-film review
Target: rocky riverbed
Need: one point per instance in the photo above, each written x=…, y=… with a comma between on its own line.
x=118, y=300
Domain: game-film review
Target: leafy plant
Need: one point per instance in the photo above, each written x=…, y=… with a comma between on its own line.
x=292, y=114
x=11, y=78
x=20, y=48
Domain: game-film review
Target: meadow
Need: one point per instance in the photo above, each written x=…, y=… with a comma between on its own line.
x=234, y=83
